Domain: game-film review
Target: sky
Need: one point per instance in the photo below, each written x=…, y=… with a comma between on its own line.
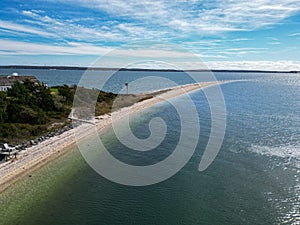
x=188, y=34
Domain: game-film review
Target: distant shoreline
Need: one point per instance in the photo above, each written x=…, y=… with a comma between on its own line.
x=135, y=69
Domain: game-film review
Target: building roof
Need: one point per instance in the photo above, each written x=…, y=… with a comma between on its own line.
x=10, y=80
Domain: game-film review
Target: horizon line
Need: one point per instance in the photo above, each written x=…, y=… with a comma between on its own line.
x=141, y=69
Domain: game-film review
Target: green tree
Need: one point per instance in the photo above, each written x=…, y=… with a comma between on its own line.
x=3, y=106
x=65, y=91
x=20, y=93
x=44, y=98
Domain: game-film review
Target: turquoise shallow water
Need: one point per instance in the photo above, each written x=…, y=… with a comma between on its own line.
x=253, y=180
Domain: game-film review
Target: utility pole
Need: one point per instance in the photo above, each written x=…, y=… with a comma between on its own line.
x=126, y=84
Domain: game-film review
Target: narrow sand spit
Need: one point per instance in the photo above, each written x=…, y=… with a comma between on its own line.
x=52, y=148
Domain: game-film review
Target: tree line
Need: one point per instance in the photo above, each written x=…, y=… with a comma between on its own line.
x=30, y=109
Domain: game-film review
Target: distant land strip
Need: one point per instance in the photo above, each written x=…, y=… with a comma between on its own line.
x=135, y=69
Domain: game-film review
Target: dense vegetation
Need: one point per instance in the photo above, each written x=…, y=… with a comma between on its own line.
x=33, y=104
x=28, y=110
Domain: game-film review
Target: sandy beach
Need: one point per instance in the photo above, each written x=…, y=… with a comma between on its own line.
x=38, y=155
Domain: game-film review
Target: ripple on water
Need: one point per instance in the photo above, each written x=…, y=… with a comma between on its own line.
x=287, y=157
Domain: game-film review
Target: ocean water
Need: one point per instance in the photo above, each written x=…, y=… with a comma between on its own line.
x=255, y=178
x=114, y=81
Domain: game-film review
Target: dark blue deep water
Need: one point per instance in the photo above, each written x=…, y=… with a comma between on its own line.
x=255, y=178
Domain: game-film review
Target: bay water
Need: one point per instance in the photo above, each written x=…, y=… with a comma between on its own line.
x=255, y=178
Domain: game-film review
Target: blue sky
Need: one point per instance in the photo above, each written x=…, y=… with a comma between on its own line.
x=224, y=34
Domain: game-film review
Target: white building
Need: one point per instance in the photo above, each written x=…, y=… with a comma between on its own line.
x=4, y=87
x=7, y=81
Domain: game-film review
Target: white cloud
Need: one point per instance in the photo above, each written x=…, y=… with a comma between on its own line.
x=245, y=49
x=24, y=48
x=130, y=28
x=69, y=30
x=204, y=16
x=14, y=27
x=212, y=56
x=272, y=38
x=241, y=39
x=241, y=65
x=282, y=65
x=111, y=31
x=249, y=14
x=133, y=20
x=119, y=57
x=274, y=43
x=78, y=48
x=294, y=35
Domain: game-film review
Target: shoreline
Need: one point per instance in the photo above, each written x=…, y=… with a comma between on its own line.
x=41, y=154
